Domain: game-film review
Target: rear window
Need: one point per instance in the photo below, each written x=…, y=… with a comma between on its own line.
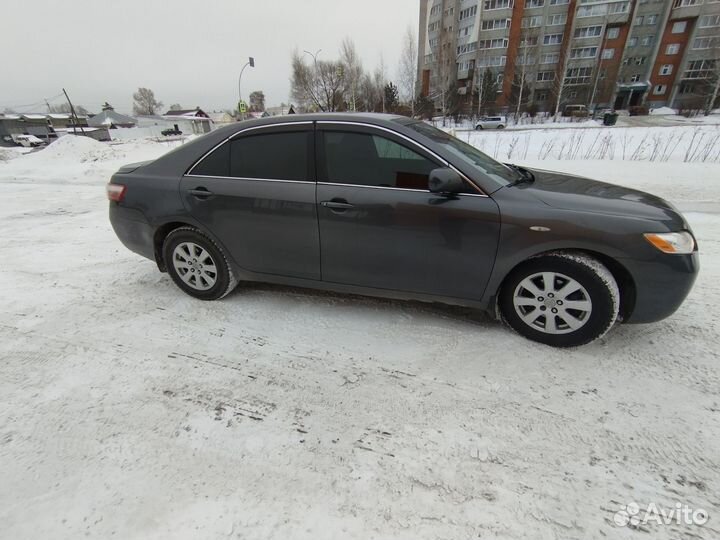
x=217, y=163
x=275, y=156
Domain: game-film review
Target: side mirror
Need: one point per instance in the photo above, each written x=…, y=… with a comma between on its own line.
x=445, y=180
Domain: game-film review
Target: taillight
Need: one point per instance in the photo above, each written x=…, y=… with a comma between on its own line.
x=116, y=192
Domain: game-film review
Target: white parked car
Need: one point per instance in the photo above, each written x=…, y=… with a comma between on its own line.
x=490, y=122
x=29, y=141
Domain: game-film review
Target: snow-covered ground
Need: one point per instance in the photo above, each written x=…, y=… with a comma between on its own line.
x=128, y=409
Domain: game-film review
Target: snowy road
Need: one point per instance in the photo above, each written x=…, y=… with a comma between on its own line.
x=130, y=409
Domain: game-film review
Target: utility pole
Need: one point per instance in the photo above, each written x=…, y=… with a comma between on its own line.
x=72, y=112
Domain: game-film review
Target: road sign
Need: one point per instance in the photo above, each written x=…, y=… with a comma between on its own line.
x=242, y=107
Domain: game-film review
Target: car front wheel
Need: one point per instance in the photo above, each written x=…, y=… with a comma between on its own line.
x=478, y=128
x=560, y=299
x=197, y=264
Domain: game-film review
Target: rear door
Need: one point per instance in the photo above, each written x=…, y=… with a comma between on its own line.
x=381, y=227
x=256, y=193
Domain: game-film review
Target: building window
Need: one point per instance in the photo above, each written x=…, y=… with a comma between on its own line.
x=578, y=75
x=492, y=61
x=684, y=3
x=639, y=20
x=551, y=58
x=706, y=43
x=534, y=3
x=529, y=41
x=659, y=89
x=588, y=31
x=666, y=69
x=531, y=22
x=468, y=47
x=525, y=59
x=545, y=76
x=498, y=4
x=632, y=42
x=651, y=20
x=679, y=27
x=613, y=33
x=635, y=78
x=607, y=54
x=672, y=48
x=433, y=26
x=584, y=52
x=494, y=24
x=592, y=11
x=541, y=95
x=556, y=20
x=572, y=94
x=559, y=2
x=469, y=12
x=435, y=9
x=499, y=43
x=709, y=21
x=552, y=39
x=646, y=41
x=700, y=69
x=619, y=7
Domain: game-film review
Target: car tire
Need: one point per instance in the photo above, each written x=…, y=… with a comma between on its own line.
x=501, y=126
x=527, y=302
x=197, y=264
x=478, y=128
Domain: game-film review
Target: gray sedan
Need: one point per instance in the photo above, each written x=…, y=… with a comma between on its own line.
x=390, y=206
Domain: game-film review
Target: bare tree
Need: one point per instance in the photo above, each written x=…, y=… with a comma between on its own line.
x=176, y=107
x=353, y=71
x=64, y=108
x=144, y=102
x=257, y=101
x=525, y=69
x=318, y=85
x=408, y=68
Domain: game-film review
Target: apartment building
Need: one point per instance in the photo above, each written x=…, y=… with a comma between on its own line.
x=546, y=54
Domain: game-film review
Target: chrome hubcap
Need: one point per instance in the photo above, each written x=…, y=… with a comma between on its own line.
x=552, y=303
x=195, y=266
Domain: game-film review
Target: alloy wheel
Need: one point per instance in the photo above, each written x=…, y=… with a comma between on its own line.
x=552, y=302
x=195, y=266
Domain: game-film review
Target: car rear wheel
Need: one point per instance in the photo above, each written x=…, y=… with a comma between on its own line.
x=197, y=264
x=478, y=128
x=501, y=126
x=560, y=299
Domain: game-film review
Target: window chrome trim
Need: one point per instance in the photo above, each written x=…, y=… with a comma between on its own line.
x=308, y=182
x=441, y=159
x=396, y=189
x=230, y=137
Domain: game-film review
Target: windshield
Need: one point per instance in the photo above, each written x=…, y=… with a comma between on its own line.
x=467, y=154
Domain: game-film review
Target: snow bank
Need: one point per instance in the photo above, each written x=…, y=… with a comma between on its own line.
x=74, y=148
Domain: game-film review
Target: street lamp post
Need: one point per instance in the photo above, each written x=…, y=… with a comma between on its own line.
x=251, y=63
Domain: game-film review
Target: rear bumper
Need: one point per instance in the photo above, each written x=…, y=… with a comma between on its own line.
x=661, y=285
x=133, y=230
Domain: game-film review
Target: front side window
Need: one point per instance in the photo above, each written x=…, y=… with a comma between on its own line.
x=371, y=160
x=272, y=156
x=466, y=153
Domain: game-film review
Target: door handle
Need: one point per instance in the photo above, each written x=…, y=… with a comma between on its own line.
x=200, y=193
x=337, y=205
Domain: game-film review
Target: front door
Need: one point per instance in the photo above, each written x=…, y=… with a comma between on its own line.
x=381, y=227
x=256, y=193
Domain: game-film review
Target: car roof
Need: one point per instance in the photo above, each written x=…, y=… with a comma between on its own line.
x=370, y=118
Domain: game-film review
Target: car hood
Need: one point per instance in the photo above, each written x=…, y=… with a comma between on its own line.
x=577, y=193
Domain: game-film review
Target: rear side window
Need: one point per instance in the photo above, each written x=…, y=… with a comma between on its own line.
x=370, y=160
x=274, y=156
x=217, y=163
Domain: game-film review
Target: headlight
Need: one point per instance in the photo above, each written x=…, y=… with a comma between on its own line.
x=678, y=243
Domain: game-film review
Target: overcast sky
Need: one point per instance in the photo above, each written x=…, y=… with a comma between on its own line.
x=187, y=51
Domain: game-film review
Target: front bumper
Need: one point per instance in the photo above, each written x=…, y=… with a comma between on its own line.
x=661, y=285
x=133, y=230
